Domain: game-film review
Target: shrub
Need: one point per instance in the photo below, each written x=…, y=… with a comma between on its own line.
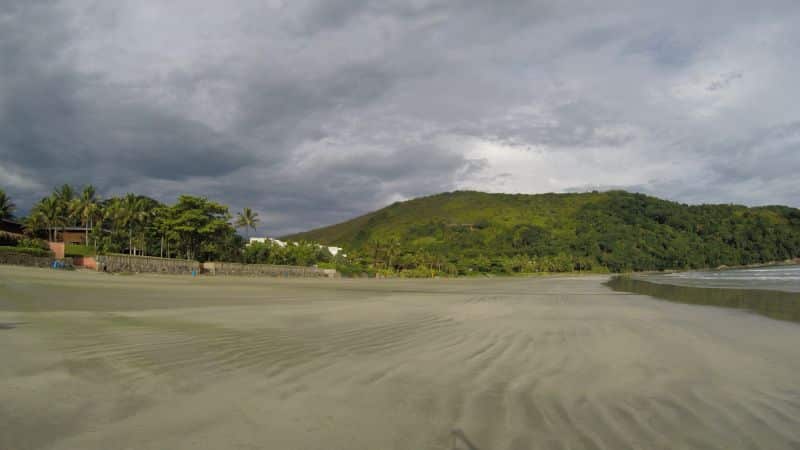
x=354, y=270
x=33, y=243
x=78, y=250
x=26, y=250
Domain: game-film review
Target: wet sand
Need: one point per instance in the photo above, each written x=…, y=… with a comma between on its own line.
x=94, y=361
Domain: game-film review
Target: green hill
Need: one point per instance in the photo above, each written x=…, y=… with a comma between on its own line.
x=615, y=230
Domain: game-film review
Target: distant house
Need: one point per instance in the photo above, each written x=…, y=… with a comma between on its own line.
x=10, y=231
x=72, y=235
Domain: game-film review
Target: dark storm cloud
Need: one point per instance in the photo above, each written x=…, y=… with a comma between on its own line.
x=58, y=125
x=314, y=111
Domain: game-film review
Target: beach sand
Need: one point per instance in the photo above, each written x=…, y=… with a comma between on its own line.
x=95, y=361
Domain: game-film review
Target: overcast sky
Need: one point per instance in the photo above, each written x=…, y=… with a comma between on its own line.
x=314, y=112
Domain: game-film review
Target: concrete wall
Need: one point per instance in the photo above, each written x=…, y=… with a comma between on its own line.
x=23, y=259
x=88, y=262
x=57, y=248
x=228, y=268
x=145, y=264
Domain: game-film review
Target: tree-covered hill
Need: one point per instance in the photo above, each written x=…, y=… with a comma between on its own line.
x=616, y=230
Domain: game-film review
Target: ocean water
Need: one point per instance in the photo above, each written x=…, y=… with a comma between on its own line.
x=778, y=278
x=770, y=291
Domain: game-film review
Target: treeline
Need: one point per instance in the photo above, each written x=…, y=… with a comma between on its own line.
x=472, y=232
x=460, y=233
x=192, y=227
x=393, y=258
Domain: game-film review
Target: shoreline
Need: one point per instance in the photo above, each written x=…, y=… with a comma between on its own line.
x=772, y=303
x=789, y=262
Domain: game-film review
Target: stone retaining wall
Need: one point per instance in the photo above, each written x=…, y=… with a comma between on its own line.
x=152, y=264
x=229, y=268
x=24, y=259
x=145, y=264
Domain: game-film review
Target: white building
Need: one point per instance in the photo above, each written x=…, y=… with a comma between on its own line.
x=262, y=240
x=332, y=250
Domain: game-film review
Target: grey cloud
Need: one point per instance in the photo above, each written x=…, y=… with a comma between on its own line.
x=312, y=112
x=770, y=154
x=724, y=81
x=60, y=125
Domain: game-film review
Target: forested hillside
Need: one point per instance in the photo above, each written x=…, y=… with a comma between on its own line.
x=462, y=232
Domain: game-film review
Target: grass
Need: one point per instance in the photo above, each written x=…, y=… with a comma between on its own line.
x=79, y=250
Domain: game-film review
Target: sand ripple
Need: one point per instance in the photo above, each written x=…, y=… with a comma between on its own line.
x=516, y=364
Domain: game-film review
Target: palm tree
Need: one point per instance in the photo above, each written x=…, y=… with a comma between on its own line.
x=7, y=207
x=35, y=222
x=145, y=219
x=87, y=209
x=47, y=213
x=376, y=245
x=133, y=216
x=247, y=219
x=116, y=214
x=65, y=205
x=162, y=222
x=392, y=249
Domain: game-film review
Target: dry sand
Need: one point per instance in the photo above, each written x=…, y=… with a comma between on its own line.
x=94, y=361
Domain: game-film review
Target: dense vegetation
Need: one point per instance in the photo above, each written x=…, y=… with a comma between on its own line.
x=34, y=251
x=192, y=228
x=469, y=232
x=459, y=233
x=301, y=253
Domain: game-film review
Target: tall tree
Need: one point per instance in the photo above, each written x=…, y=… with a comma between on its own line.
x=7, y=207
x=162, y=222
x=135, y=215
x=199, y=222
x=114, y=213
x=128, y=212
x=87, y=208
x=392, y=249
x=65, y=206
x=147, y=209
x=46, y=213
x=247, y=219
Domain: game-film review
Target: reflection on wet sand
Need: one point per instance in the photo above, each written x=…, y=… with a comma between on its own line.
x=774, y=304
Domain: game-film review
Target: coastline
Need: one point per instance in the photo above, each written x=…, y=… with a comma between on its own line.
x=771, y=301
